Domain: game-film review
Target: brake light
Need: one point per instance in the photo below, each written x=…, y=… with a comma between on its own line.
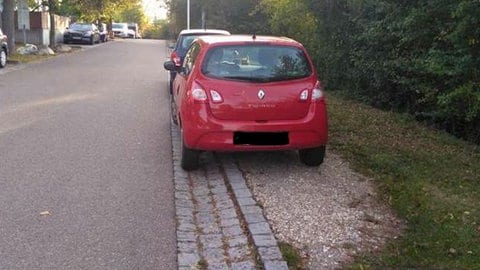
x=199, y=94
x=176, y=59
x=317, y=93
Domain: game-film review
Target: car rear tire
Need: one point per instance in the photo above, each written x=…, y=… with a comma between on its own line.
x=312, y=156
x=3, y=58
x=189, y=159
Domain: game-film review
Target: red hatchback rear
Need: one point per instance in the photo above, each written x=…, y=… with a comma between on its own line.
x=248, y=93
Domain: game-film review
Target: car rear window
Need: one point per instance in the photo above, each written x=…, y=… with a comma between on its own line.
x=257, y=63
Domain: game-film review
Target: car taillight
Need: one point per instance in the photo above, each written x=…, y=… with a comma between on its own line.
x=176, y=59
x=317, y=92
x=216, y=97
x=199, y=94
x=304, y=95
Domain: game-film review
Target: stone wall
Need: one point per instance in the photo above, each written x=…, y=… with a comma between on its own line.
x=39, y=32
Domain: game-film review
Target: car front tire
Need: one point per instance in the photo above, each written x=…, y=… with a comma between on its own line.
x=189, y=158
x=312, y=156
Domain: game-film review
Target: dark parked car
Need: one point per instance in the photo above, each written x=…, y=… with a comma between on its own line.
x=248, y=93
x=185, y=38
x=3, y=49
x=82, y=33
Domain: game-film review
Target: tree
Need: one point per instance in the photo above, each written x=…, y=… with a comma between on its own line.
x=52, y=5
x=235, y=16
x=92, y=10
x=157, y=30
x=282, y=22
x=132, y=14
x=8, y=23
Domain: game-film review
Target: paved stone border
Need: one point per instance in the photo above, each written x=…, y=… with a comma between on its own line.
x=219, y=224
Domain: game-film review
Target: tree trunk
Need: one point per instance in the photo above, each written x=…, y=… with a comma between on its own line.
x=8, y=22
x=51, y=12
x=52, y=29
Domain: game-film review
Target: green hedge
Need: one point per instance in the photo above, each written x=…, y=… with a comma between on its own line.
x=420, y=57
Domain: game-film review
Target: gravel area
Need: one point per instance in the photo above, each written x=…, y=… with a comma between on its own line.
x=328, y=212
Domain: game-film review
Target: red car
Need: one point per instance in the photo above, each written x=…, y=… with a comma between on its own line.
x=248, y=93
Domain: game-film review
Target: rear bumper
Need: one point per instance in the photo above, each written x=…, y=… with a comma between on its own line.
x=203, y=132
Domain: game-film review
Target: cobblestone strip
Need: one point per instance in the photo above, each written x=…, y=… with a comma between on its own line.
x=209, y=233
x=258, y=227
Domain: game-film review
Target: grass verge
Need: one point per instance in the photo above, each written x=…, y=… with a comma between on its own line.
x=292, y=256
x=431, y=179
x=27, y=58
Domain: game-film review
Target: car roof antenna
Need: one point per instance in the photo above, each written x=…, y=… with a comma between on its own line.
x=254, y=36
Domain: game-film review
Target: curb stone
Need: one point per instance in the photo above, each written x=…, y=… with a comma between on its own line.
x=219, y=224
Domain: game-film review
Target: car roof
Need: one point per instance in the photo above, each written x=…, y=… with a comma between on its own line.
x=203, y=31
x=246, y=39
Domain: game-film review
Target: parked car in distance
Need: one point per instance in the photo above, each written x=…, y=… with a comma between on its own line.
x=131, y=34
x=102, y=28
x=3, y=49
x=82, y=33
x=248, y=93
x=184, y=39
x=120, y=30
x=132, y=30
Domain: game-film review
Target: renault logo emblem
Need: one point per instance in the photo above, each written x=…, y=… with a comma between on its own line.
x=261, y=94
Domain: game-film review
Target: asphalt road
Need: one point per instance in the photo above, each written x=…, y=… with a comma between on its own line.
x=86, y=161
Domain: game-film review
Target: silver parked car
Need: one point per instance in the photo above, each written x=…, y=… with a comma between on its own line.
x=120, y=30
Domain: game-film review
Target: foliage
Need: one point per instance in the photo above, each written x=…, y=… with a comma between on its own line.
x=104, y=10
x=132, y=14
x=157, y=30
x=281, y=21
x=235, y=16
x=380, y=54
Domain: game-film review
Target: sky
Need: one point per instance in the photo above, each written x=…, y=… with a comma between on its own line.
x=154, y=9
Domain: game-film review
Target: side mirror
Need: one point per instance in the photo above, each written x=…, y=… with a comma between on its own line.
x=169, y=65
x=171, y=45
